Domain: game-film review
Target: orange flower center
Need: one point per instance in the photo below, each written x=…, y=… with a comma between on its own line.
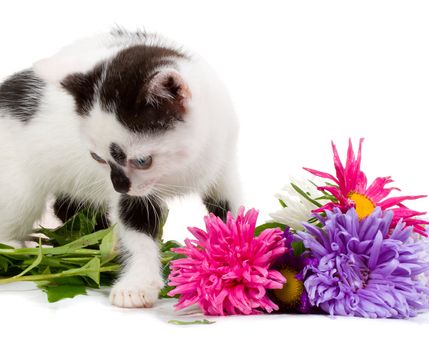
x=364, y=206
x=291, y=292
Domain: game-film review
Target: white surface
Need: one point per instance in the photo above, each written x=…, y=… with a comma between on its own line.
x=301, y=73
x=90, y=322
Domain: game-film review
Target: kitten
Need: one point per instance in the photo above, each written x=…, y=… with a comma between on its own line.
x=123, y=121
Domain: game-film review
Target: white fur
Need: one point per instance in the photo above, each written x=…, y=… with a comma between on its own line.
x=50, y=155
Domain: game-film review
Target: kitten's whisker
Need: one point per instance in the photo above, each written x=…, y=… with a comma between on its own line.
x=175, y=186
x=166, y=191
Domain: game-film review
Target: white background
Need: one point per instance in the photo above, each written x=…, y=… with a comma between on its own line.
x=301, y=73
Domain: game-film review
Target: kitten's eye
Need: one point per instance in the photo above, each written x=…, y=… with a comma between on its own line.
x=142, y=163
x=98, y=158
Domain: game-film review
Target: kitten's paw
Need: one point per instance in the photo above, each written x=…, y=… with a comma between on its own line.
x=134, y=296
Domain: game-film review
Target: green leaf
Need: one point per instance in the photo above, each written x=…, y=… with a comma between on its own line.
x=107, y=248
x=268, y=225
x=74, y=247
x=35, y=263
x=78, y=259
x=305, y=195
x=312, y=220
x=4, y=246
x=187, y=323
x=22, y=253
x=56, y=263
x=87, y=240
x=326, y=197
x=168, y=256
x=41, y=284
x=59, y=292
x=164, y=292
x=314, y=184
x=283, y=204
x=167, y=246
x=70, y=248
x=4, y=264
x=91, y=270
x=298, y=248
x=81, y=224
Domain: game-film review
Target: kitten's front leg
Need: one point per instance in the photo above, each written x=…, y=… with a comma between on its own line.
x=138, y=228
x=225, y=195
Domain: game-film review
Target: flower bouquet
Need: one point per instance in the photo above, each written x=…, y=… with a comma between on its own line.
x=342, y=247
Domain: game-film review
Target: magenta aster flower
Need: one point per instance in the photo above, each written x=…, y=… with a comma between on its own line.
x=351, y=190
x=226, y=269
x=364, y=268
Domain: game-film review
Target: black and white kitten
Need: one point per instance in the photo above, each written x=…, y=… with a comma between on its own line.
x=124, y=121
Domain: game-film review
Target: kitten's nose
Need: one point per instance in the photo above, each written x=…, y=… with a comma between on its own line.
x=121, y=183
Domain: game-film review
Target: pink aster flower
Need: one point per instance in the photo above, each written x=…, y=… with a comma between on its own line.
x=351, y=189
x=226, y=269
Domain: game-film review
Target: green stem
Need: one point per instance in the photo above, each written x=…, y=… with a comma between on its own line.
x=111, y=268
x=33, y=278
x=305, y=195
x=52, y=251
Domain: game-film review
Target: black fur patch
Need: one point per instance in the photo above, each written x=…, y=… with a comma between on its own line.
x=122, y=87
x=124, y=91
x=118, y=154
x=65, y=208
x=83, y=87
x=140, y=215
x=121, y=183
x=20, y=95
x=218, y=207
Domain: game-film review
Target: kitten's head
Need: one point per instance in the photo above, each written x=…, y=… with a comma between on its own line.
x=134, y=112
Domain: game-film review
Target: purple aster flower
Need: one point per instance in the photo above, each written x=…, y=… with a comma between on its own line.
x=293, y=296
x=364, y=268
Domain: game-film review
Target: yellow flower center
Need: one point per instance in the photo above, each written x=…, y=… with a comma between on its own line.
x=364, y=206
x=291, y=292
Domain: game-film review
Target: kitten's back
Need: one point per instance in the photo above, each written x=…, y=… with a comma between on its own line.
x=20, y=95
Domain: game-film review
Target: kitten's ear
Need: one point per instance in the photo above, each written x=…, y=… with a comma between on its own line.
x=168, y=86
x=82, y=88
